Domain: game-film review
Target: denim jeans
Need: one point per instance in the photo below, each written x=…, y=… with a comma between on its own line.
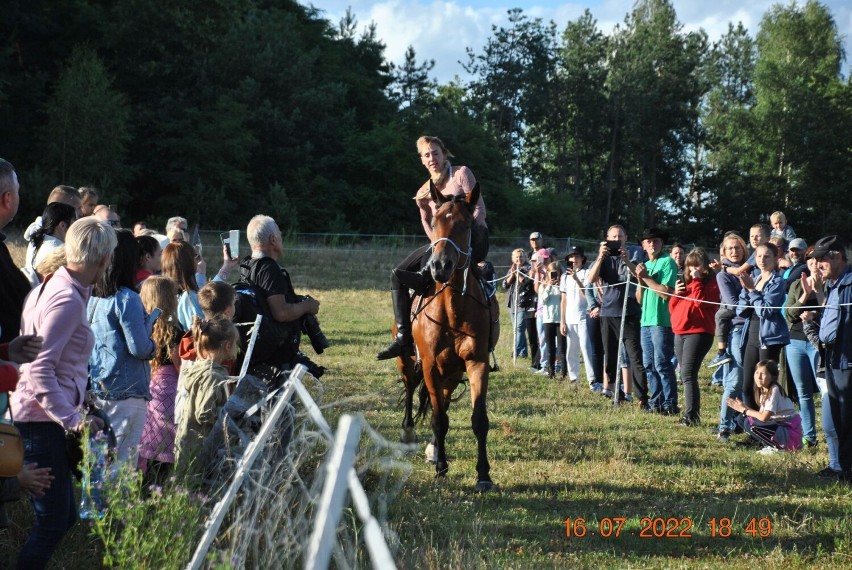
x=519, y=328
x=832, y=444
x=55, y=511
x=657, y=353
x=542, y=344
x=801, y=365
x=732, y=383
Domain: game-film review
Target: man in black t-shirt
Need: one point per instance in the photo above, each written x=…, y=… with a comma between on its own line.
x=614, y=268
x=273, y=281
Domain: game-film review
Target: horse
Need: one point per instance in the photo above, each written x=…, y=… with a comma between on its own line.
x=451, y=329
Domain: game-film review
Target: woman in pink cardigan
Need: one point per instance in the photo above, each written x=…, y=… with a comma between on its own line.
x=50, y=395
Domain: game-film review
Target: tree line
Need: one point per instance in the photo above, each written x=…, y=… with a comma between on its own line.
x=221, y=109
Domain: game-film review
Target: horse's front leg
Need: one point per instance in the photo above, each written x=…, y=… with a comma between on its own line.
x=477, y=374
x=440, y=427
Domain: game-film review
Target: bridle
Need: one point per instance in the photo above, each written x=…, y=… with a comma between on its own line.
x=466, y=254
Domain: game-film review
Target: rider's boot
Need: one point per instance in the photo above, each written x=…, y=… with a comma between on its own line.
x=418, y=281
x=403, y=344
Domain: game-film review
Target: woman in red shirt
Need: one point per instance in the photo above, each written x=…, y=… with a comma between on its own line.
x=693, y=309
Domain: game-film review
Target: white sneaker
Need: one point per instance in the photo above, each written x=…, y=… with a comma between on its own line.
x=541, y=372
x=769, y=450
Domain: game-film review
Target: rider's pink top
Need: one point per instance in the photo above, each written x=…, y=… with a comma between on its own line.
x=461, y=182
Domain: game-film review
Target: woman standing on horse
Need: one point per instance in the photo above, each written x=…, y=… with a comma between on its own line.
x=412, y=273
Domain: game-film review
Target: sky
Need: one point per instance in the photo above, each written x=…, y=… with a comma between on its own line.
x=442, y=29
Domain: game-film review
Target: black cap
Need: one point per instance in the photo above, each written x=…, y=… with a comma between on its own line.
x=825, y=245
x=655, y=233
x=576, y=250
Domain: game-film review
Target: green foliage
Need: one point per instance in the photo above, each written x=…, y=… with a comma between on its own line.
x=146, y=527
x=87, y=132
x=224, y=109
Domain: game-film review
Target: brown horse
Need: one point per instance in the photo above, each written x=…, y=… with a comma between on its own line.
x=451, y=330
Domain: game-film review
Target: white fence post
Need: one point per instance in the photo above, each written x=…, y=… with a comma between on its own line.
x=248, y=459
x=330, y=506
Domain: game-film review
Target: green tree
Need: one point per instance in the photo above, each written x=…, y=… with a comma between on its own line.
x=86, y=135
x=731, y=137
x=411, y=82
x=509, y=85
x=654, y=93
x=580, y=151
x=803, y=121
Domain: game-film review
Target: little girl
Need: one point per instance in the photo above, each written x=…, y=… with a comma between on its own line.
x=776, y=424
x=156, y=451
x=205, y=382
x=550, y=299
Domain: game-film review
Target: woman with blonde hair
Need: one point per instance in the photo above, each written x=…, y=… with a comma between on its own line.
x=51, y=393
x=520, y=294
x=412, y=273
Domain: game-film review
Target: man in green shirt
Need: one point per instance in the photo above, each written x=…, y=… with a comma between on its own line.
x=657, y=279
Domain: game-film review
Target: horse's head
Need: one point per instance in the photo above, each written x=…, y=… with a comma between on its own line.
x=451, y=233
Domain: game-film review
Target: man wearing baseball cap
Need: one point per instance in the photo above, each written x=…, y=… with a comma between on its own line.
x=836, y=335
x=796, y=255
x=536, y=243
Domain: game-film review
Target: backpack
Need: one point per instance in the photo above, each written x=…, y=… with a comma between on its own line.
x=277, y=343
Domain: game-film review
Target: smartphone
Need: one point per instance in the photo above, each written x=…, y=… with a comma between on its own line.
x=231, y=240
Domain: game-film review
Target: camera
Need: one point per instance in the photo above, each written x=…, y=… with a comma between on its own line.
x=311, y=327
x=614, y=247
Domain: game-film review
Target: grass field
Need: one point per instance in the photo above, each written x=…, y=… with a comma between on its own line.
x=557, y=453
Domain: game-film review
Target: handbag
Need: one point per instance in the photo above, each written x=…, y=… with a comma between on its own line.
x=11, y=450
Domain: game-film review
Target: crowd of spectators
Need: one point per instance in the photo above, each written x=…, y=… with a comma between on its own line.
x=110, y=330
x=644, y=322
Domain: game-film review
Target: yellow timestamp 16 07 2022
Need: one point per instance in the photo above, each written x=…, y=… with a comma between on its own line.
x=666, y=527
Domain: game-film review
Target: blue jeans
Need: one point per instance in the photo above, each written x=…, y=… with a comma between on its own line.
x=832, y=444
x=519, y=328
x=732, y=382
x=801, y=364
x=55, y=511
x=542, y=345
x=657, y=353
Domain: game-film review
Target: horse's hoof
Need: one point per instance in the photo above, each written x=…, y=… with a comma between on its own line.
x=408, y=436
x=484, y=486
x=431, y=453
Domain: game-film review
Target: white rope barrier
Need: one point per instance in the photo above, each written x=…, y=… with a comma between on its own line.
x=633, y=283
